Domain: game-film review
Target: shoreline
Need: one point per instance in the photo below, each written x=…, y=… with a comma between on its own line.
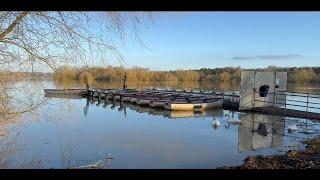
x=308, y=158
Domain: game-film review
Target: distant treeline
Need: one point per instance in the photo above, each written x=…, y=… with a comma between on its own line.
x=139, y=74
x=25, y=75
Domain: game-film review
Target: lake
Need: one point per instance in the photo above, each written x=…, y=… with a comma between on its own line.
x=67, y=133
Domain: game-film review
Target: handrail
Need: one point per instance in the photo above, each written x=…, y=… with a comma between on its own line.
x=287, y=101
x=298, y=92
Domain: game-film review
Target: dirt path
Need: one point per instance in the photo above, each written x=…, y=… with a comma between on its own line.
x=293, y=159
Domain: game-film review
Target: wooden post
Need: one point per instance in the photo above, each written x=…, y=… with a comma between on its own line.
x=285, y=104
x=85, y=78
x=254, y=99
x=124, y=81
x=275, y=97
x=232, y=102
x=307, y=102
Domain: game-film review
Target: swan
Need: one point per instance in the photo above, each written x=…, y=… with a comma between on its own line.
x=215, y=122
x=233, y=120
x=292, y=128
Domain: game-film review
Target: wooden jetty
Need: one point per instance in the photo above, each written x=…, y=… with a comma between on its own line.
x=158, y=98
x=168, y=99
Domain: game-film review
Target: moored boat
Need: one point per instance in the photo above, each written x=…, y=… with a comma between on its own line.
x=194, y=105
x=65, y=91
x=158, y=103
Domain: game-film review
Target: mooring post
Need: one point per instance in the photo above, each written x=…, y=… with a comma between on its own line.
x=85, y=78
x=124, y=81
x=307, y=102
x=254, y=99
x=105, y=98
x=274, y=97
x=91, y=93
x=99, y=100
x=99, y=94
x=233, y=94
x=285, y=103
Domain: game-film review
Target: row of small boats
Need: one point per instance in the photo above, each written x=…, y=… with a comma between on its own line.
x=170, y=100
x=166, y=100
x=123, y=106
x=62, y=92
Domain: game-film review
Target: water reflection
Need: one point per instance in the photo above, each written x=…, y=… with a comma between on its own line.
x=142, y=137
x=260, y=131
x=147, y=138
x=122, y=106
x=257, y=131
x=86, y=108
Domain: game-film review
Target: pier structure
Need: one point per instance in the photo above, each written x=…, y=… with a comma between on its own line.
x=263, y=92
x=266, y=92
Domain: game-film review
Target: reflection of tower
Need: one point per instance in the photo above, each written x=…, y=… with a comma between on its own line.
x=245, y=132
x=86, y=108
x=252, y=135
x=278, y=130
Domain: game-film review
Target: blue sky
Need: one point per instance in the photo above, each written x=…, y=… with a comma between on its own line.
x=192, y=40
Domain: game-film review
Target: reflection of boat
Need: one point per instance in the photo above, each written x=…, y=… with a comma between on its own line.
x=134, y=107
x=199, y=105
x=143, y=109
x=157, y=111
x=121, y=106
x=126, y=104
x=184, y=114
x=259, y=131
x=176, y=114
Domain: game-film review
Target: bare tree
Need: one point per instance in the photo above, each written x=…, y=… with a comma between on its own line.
x=29, y=40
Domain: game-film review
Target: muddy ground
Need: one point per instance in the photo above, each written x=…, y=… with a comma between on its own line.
x=309, y=158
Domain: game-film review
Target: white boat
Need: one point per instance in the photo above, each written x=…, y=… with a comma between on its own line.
x=65, y=91
x=194, y=105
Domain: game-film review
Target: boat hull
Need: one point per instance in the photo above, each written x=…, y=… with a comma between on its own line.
x=66, y=91
x=181, y=106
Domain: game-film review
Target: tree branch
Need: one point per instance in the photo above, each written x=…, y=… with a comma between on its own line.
x=13, y=24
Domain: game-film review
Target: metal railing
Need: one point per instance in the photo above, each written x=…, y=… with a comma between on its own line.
x=305, y=101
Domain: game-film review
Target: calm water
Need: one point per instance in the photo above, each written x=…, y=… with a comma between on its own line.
x=64, y=133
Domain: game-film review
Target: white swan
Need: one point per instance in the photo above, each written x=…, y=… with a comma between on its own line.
x=292, y=128
x=215, y=122
x=233, y=120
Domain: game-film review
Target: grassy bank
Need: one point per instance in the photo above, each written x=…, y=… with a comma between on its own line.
x=309, y=158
